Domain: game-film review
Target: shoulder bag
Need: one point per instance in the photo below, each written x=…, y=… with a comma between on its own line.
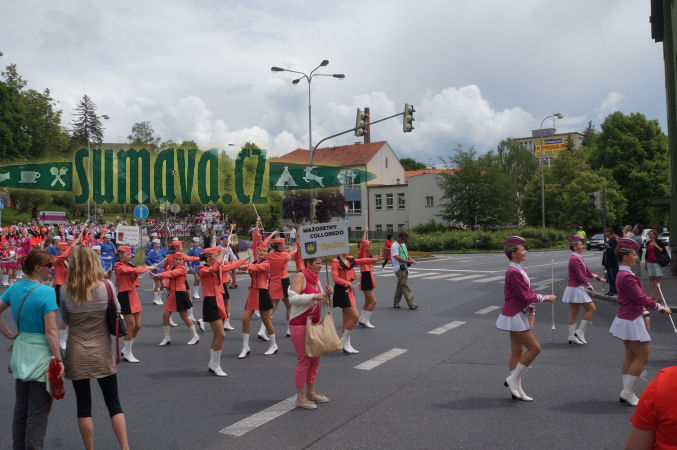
x=663, y=258
x=321, y=338
x=115, y=322
x=18, y=317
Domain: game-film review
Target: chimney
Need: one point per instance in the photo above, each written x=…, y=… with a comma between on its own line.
x=367, y=134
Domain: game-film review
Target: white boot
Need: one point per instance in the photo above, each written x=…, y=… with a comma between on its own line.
x=166, y=340
x=215, y=363
x=5, y=280
x=201, y=324
x=156, y=298
x=129, y=356
x=196, y=292
x=125, y=348
x=245, y=346
x=288, y=333
x=63, y=339
x=172, y=323
x=365, y=319
x=345, y=341
x=627, y=395
x=227, y=325
x=195, y=339
x=523, y=394
x=512, y=382
x=580, y=333
x=263, y=336
x=573, y=339
x=257, y=314
x=190, y=314
x=272, y=349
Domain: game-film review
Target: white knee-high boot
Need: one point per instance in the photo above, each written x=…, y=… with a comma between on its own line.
x=345, y=341
x=129, y=356
x=365, y=319
x=573, y=339
x=245, y=346
x=262, y=335
x=195, y=338
x=227, y=325
x=627, y=395
x=272, y=348
x=215, y=363
x=166, y=340
x=580, y=333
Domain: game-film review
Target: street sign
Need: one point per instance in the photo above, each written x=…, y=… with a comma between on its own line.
x=2, y=204
x=141, y=212
x=175, y=208
x=323, y=239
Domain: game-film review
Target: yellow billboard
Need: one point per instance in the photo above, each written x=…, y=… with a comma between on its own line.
x=550, y=146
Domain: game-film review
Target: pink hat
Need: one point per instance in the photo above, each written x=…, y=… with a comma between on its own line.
x=629, y=243
x=574, y=239
x=513, y=240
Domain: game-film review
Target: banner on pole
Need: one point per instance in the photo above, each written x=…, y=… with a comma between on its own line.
x=323, y=239
x=128, y=235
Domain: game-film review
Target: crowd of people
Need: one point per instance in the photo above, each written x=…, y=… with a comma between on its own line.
x=80, y=262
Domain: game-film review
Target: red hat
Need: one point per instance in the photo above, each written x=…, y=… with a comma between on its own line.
x=125, y=249
x=212, y=250
x=574, y=239
x=629, y=243
x=513, y=240
x=278, y=241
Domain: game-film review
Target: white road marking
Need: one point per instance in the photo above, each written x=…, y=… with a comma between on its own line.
x=546, y=282
x=380, y=359
x=487, y=310
x=390, y=274
x=466, y=277
x=444, y=275
x=487, y=280
x=447, y=327
x=416, y=275
x=260, y=418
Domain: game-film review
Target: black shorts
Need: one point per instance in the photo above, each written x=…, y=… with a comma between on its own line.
x=285, y=286
x=265, y=302
x=226, y=295
x=183, y=302
x=123, y=299
x=57, y=289
x=210, y=312
x=340, y=298
x=367, y=282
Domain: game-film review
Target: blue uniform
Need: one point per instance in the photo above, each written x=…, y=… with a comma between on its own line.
x=107, y=256
x=52, y=250
x=194, y=252
x=154, y=258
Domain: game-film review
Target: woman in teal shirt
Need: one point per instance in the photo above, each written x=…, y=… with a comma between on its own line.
x=35, y=343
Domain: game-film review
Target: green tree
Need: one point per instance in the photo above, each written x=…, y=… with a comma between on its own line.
x=478, y=194
x=412, y=164
x=87, y=127
x=520, y=165
x=634, y=151
x=143, y=135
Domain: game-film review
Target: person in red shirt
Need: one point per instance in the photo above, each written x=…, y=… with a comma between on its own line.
x=654, y=422
x=60, y=274
x=386, y=250
x=367, y=283
x=279, y=280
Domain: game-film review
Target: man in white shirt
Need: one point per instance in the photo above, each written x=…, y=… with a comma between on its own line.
x=292, y=235
x=401, y=262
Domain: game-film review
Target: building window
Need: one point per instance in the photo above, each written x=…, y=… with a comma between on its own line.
x=400, y=200
x=389, y=228
x=389, y=201
x=379, y=227
x=349, y=179
x=386, y=163
x=400, y=226
x=379, y=201
x=355, y=207
x=429, y=202
x=358, y=228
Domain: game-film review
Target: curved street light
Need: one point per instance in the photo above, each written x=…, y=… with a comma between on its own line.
x=540, y=127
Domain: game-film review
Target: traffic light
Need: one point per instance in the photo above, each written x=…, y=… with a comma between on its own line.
x=595, y=200
x=360, y=122
x=320, y=211
x=407, y=122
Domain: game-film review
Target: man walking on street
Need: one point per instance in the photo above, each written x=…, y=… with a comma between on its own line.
x=401, y=262
x=610, y=261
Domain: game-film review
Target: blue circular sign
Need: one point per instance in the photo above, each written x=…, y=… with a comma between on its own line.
x=141, y=212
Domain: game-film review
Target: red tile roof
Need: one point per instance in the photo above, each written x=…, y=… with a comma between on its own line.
x=344, y=155
x=414, y=173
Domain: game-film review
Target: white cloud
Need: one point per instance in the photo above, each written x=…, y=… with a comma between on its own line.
x=611, y=103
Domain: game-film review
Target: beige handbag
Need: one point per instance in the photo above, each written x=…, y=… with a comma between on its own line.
x=321, y=338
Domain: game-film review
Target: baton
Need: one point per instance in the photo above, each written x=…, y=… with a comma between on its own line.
x=552, y=289
x=666, y=305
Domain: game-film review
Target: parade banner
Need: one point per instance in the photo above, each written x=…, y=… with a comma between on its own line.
x=127, y=235
x=139, y=176
x=323, y=239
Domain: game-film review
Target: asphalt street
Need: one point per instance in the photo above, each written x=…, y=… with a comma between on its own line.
x=430, y=378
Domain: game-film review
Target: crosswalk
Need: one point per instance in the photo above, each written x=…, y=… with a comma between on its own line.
x=463, y=275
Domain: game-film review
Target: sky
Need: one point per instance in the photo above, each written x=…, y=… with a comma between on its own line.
x=477, y=72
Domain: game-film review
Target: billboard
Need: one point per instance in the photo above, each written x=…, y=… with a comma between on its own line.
x=323, y=239
x=550, y=146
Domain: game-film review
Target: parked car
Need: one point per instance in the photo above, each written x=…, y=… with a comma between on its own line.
x=597, y=241
x=664, y=239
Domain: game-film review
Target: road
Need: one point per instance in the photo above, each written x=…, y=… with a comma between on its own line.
x=431, y=378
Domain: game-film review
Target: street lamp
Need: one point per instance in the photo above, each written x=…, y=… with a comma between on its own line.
x=540, y=127
x=309, y=78
x=89, y=164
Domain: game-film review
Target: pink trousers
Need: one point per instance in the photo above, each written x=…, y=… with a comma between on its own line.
x=306, y=368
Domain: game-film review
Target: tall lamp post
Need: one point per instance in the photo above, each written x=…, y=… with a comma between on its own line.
x=309, y=78
x=540, y=127
x=89, y=166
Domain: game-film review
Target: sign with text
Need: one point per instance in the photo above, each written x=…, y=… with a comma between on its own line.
x=128, y=235
x=53, y=217
x=550, y=146
x=323, y=239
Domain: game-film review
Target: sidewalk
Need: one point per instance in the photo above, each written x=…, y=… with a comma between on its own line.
x=669, y=289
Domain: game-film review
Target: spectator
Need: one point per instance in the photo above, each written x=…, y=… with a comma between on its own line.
x=386, y=250
x=89, y=353
x=401, y=262
x=653, y=249
x=292, y=235
x=581, y=233
x=35, y=343
x=609, y=260
x=637, y=237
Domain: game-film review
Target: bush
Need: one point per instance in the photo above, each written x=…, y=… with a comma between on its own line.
x=437, y=241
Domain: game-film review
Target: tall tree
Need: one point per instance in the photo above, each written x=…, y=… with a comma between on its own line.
x=143, y=134
x=520, y=165
x=634, y=150
x=412, y=164
x=478, y=194
x=87, y=127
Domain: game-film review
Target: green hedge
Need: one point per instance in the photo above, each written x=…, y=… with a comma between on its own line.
x=485, y=240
